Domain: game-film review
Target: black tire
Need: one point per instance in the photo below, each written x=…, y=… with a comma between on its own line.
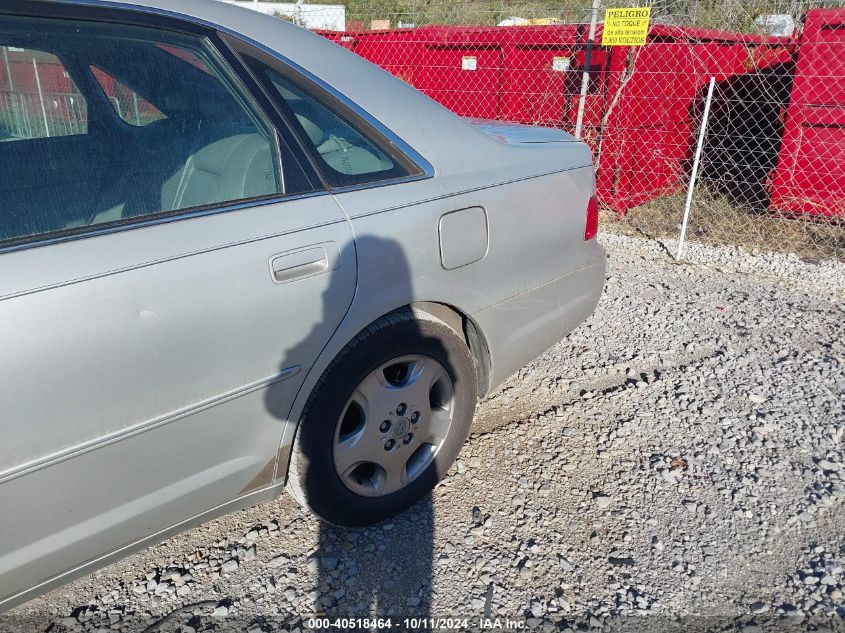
x=312, y=478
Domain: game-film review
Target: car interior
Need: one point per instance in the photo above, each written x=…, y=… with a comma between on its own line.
x=339, y=146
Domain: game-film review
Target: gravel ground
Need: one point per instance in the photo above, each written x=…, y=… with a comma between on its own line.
x=676, y=462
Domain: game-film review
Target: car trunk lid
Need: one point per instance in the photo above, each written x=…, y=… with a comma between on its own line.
x=515, y=133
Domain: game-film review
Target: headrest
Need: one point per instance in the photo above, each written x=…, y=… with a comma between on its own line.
x=314, y=133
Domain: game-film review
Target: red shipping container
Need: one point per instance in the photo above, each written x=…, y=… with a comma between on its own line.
x=643, y=121
x=520, y=74
x=810, y=174
x=648, y=138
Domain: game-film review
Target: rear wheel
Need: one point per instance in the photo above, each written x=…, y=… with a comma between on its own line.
x=386, y=420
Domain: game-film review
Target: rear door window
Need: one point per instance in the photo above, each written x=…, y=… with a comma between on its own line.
x=194, y=140
x=341, y=148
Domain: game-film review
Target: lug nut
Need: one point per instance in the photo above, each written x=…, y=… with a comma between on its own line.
x=415, y=417
x=389, y=444
x=407, y=439
x=384, y=427
x=400, y=410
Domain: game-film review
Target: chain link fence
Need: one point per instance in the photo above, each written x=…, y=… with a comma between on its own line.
x=771, y=174
x=45, y=103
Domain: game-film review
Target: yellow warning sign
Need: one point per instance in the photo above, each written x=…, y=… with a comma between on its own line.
x=625, y=27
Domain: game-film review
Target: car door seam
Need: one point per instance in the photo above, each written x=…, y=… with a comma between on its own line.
x=287, y=436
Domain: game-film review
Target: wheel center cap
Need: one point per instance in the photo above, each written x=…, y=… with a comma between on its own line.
x=401, y=426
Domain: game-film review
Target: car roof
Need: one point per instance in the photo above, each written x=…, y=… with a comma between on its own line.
x=420, y=122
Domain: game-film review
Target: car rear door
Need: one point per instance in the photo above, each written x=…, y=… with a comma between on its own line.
x=158, y=325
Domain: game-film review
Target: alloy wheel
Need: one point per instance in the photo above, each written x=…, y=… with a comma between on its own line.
x=393, y=425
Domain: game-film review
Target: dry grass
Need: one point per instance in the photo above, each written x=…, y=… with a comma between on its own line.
x=714, y=220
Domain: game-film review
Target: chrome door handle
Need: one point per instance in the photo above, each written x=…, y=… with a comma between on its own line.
x=307, y=262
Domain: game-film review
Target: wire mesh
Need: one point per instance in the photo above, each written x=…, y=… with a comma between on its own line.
x=772, y=172
x=39, y=100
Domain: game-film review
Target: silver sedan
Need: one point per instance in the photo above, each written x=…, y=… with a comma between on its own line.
x=236, y=257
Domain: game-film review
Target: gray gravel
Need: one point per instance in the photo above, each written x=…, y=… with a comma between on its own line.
x=680, y=456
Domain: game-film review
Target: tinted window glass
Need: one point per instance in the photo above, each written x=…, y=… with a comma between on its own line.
x=186, y=56
x=346, y=156
x=38, y=99
x=129, y=105
x=193, y=140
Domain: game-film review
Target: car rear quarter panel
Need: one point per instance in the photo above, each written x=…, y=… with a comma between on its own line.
x=536, y=220
x=536, y=227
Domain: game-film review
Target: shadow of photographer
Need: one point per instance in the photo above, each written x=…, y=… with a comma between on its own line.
x=383, y=570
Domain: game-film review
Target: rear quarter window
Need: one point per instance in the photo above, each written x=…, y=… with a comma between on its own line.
x=343, y=153
x=131, y=107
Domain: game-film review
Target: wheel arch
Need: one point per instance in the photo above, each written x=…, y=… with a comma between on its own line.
x=472, y=335
x=452, y=316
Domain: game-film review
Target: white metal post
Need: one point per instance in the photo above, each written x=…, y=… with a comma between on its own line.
x=695, y=162
x=12, y=103
x=585, y=78
x=137, y=111
x=8, y=68
x=41, y=97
